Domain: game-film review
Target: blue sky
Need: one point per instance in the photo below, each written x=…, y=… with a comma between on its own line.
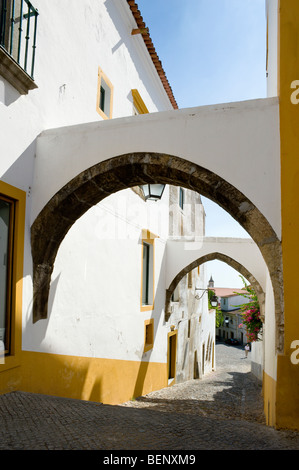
x=213, y=51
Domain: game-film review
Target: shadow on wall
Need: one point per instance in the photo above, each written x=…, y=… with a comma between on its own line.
x=126, y=40
x=96, y=379
x=8, y=94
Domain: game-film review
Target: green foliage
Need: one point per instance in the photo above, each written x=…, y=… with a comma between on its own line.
x=219, y=315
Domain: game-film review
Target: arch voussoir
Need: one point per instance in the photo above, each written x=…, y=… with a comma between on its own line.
x=211, y=257
x=103, y=179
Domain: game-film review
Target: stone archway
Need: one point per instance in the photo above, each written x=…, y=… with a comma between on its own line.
x=220, y=257
x=99, y=181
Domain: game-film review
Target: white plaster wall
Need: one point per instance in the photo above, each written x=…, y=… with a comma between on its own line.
x=202, y=326
x=189, y=313
x=94, y=302
x=208, y=330
x=270, y=360
x=272, y=21
x=73, y=40
x=237, y=141
x=180, y=253
x=264, y=356
x=231, y=303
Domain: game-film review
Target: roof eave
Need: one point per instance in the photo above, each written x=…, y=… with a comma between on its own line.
x=152, y=51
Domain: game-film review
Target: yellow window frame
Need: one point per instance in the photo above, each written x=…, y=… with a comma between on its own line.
x=103, y=79
x=18, y=197
x=148, y=334
x=149, y=239
x=138, y=102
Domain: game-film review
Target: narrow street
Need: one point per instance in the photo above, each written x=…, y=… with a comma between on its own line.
x=231, y=391
x=222, y=411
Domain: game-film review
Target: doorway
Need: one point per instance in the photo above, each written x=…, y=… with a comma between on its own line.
x=171, y=355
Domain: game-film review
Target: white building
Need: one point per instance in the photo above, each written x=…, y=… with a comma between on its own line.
x=230, y=301
x=105, y=337
x=69, y=138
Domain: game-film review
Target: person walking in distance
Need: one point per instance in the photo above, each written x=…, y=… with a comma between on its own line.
x=246, y=350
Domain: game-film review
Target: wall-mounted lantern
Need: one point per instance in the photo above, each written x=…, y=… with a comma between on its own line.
x=152, y=192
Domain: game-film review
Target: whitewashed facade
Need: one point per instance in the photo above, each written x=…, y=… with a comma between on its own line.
x=99, y=341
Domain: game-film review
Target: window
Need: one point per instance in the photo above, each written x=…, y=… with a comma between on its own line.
x=148, y=334
x=181, y=198
x=6, y=249
x=105, y=95
x=12, y=223
x=171, y=354
x=147, y=274
x=147, y=271
x=18, y=28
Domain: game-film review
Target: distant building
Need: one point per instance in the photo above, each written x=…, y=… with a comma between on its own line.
x=230, y=300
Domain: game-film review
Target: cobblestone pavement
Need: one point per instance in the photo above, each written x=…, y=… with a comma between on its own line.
x=222, y=411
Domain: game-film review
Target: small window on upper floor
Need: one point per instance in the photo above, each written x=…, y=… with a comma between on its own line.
x=148, y=334
x=18, y=31
x=147, y=271
x=104, y=96
x=138, y=104
x=181, y=198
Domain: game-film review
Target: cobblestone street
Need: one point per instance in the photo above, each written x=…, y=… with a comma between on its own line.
x=229, y=392
x=222, y=411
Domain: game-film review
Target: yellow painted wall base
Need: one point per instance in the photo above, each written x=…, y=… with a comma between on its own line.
x=287, y=402
x=10, y=380
x=269, y=393
x=101, y=380
x=287, y=413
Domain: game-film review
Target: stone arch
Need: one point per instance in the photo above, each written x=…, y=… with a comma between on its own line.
x=211, y=257
x=103, y=179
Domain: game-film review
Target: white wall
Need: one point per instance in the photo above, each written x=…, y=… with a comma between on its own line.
x=243, y=250
x=246, y=132
x=232, y=303
x=73, y=40
x=94, y=302
x=272, y=58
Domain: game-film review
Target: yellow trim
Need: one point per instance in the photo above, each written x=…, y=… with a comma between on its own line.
x=269, y=393
x=287, y=390
x=147, y=235
x=289, y=125
x=101, y=75
x=148, y=334
x=149, y=238
x=139, y=103
x=109, y=381
x=13, y=360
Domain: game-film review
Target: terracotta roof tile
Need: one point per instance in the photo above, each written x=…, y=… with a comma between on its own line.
x=228, y=292
x=152, y=51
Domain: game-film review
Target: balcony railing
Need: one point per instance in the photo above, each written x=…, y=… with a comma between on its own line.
x=18, y=24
